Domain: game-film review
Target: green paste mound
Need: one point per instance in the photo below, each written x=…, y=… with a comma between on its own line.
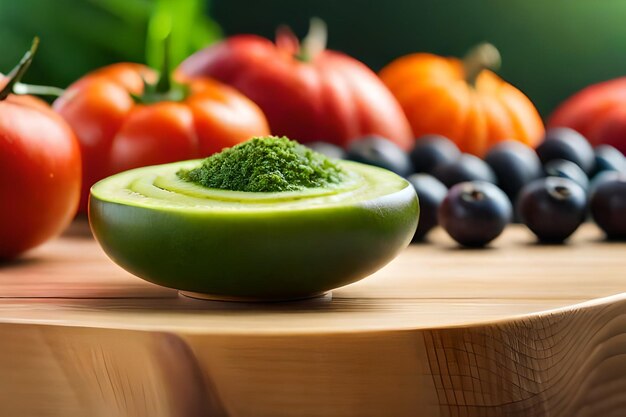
x=266, y=164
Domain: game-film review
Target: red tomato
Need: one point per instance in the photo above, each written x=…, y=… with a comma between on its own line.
x=325, y=95
x=116, y=133
x=598, y=112
x=40, y=174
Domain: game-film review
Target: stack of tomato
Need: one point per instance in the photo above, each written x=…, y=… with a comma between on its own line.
x=127, y=115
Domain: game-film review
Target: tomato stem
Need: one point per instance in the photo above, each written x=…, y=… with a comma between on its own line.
x=314, y=42
x=19, y=70
x=482, y=56
x=38, y=90
x=164, y=89
x=164, y=84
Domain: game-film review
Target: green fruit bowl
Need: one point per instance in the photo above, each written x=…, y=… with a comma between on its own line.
x=229, y=245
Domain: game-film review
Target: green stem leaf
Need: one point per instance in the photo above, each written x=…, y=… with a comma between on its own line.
x=164, y=84
x=38, y=90
x=18, y=71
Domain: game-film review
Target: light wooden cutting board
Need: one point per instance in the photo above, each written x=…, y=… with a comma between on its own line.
x=516, y=330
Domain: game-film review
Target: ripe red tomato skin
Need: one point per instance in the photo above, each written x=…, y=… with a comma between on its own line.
x=40, y=172
x=117, y=134
x=598, y=112
x=333, y=97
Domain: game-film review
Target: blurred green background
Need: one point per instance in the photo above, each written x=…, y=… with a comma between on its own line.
x=550, y=48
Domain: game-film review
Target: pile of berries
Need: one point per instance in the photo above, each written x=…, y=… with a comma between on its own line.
x=552, y=189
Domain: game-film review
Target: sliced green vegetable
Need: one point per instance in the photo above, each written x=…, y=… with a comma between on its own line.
x=262, y=246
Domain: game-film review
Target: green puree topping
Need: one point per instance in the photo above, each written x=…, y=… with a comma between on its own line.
x=266, y=164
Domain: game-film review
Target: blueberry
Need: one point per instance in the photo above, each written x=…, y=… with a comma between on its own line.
x=329, y=149
x=608, y=207
x=466, y=168
x=430, y=192
x=565, y=143
x=474, y=213
x=563, y=168
x=552, y=208
x=609, y=158
x=380, y=152
x=431, y=151
x=515, y=165
x=602, y=177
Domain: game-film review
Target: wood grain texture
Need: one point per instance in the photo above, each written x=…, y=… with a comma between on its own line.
x=516, y=330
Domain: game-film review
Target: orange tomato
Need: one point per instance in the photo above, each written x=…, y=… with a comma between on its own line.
x=462, y=100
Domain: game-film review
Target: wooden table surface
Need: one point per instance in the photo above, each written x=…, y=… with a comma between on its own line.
x=518, y=329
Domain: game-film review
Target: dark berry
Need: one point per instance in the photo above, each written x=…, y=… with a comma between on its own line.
x=515, y=165
x=474, y=213
x=466, y=168
x=430, y=192
x=431, y=151
x=563, y=168
x=380, y=152
x=602, y=177
x=552, y=208
x=329, y=149
x=608, y=207
x=609, y=158
x=565, y=143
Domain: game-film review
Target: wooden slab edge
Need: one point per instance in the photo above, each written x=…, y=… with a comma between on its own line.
x=566, y=362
